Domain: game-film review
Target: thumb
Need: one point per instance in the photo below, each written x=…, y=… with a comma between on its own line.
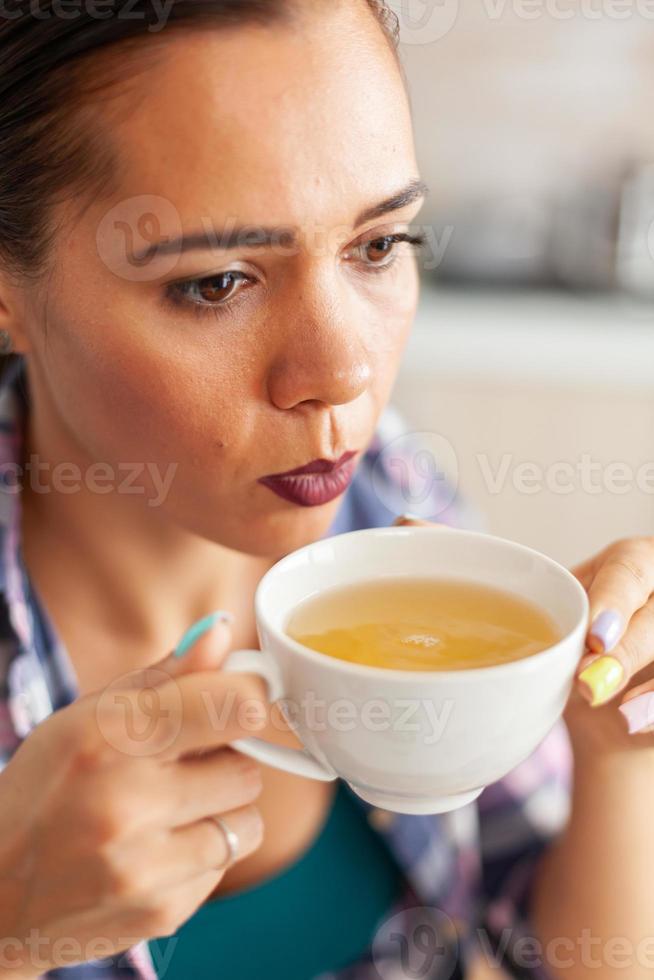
x=204, y=646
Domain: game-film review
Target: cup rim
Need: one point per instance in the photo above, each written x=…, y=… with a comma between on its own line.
x=397, y=673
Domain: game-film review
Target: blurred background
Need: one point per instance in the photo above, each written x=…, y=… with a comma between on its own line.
x=533, y=349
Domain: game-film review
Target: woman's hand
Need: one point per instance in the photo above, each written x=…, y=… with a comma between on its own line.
x=616, y=676
x=593, y=889
x=104, y=829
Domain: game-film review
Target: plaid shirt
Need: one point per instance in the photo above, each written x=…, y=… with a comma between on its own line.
x=468, y=873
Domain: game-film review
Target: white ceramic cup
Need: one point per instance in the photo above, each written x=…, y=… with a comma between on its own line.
x=411, y=741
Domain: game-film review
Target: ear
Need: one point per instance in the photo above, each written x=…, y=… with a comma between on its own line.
x=13, y=315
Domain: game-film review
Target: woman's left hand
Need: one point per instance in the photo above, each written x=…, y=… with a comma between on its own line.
x=616, y=675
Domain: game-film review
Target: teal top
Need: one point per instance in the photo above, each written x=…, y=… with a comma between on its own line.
x=319, y=914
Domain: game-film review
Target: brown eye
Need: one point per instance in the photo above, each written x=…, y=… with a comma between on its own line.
x=218, y=289
x=379, y=250
x=210, y=292
x=380, y=253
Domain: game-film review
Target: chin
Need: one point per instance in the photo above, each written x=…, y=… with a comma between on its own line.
x=276, y=534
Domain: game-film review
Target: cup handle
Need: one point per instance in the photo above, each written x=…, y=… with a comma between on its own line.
x=298, y=761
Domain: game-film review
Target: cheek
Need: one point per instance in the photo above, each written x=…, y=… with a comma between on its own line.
x=391, y=326
x=407, y=298
x=122, y=399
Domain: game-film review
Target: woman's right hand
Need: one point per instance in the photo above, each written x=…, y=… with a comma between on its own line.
x=104, y=836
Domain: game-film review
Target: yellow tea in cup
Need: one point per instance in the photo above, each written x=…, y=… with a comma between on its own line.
x=422, y=624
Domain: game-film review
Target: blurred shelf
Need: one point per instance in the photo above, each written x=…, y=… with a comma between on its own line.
x=533, y=337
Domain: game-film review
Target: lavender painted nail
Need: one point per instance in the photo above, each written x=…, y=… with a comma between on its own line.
x=639, y=712
x=607, y=628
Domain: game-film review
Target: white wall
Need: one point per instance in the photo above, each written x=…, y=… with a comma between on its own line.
x=513, y=100
x=546, y=380
x=533, y=100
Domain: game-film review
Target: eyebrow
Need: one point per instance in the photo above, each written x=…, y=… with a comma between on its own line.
x=255, y=236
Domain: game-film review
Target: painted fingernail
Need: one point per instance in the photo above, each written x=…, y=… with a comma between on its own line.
x=602, y=678
x=407, y=517
x=605, y=631
x=195, y=631
x=639, y=712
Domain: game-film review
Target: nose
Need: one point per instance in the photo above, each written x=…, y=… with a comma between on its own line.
x=324, y=358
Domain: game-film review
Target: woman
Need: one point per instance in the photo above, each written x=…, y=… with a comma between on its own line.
x=207, y=281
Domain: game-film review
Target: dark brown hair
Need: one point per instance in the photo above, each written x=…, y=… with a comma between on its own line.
x=54, y=62
x=51, y=68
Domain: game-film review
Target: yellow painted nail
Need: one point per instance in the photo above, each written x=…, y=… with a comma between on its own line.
x=603, y=677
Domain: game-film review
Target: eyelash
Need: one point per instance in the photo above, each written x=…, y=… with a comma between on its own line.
x=177, y=292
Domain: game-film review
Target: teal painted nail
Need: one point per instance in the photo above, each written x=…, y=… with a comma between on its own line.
x=195, y=631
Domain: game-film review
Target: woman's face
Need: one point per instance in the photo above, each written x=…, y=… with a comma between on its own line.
x=235, y=360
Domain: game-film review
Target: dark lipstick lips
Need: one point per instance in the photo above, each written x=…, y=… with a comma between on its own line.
x=315, y=483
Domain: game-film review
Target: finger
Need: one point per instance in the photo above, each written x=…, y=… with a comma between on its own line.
x=194, y=712
x=602, y=677
x=190, y=789
x=182, y=867
x=208, y=644
x=204, y=641
x=202, y=846
x=623, y=584
x=637, y=709
x=408, y=520
x=584, y=574
x=183, y=853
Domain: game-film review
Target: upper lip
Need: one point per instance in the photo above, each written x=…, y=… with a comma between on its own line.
x=318, y=465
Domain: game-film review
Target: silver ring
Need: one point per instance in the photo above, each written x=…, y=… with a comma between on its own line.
x=231, y=839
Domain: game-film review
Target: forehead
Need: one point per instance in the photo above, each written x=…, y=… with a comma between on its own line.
x=276, y=122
